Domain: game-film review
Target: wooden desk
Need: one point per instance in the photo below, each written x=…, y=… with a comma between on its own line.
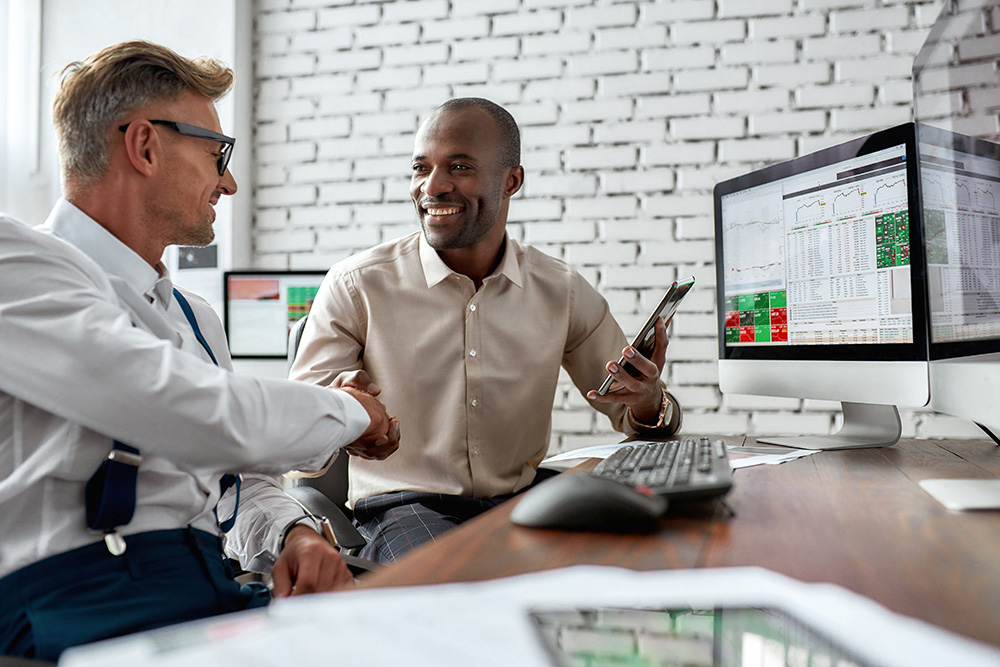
x=853, y=518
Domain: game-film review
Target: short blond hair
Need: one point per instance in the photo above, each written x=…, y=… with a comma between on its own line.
x=97, y=93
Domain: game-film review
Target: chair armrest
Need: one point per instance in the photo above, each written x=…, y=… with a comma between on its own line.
x=313, y=500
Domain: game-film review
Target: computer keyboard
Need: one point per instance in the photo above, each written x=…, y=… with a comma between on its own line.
x=675, y=469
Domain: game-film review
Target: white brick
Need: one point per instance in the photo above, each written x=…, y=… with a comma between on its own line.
x=468, y=28
x=708, y=32
x=350, y=105
x=602, y=207
x=678, y=252
x=322, y=40
x=560, y=185
x=319, y=128
x=787, y=26
x=734, y=402
x=330, y=84
x=560, y=232
x=728, y=8
x=416, y=11
x=386, y=123
x=637, y=276
x=478, y=7
x=708, y=128
x=788, y=122
x=318, y=172
x=793, y=75
x=565, y=135
x=869, y=119
x=832, y=48
x=631, y=37
x=704, y=373
x=575, y=112
x=905, y=41
x=287, y=153
x=751, y=100
x=695, y=228
x=344, y=16
x=600, y=253
x=358, y=191
x=678, y=57
x=285, y=241
x=601, y=17
x=525, y=23
x=677, y=10
x=556, y=43
x=385, y=35
x=535, y=113
x=378, y=213
x=270, y=175
x=688, y=152
x=869, y=19
x=637, y=230
x=695, y=398
x=349, y=61
x=711, y=79
x=943, y=426
x=527, y=211
x=674, y=206
x=631, y=85
x=640, y=131
x=651, y=180
x=560, y=90
x=834, y=95
x=601, y=158
x=900, y=92
x=286, y=196
x=274, y=218
x=377, y=167
x=755, y=52
x=673, y=105
x=464, y=73
x=616, y=62
x=692, y=349
x=418, y=54
x=756, y=150
x=352, y=237
x=521, y=70
x=272, y=22
x=296, y=65
x=475, y=49
x=874, y=69
x=420, y=100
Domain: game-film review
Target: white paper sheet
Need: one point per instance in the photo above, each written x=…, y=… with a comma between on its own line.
x=487, y=624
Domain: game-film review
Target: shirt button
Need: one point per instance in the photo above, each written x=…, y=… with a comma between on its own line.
x=472, y=307
x=475, y=402
x=472, y=353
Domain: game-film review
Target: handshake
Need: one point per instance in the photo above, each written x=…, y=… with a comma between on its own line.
x=382, y=436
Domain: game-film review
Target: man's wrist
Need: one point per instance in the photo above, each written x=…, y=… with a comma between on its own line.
x=663, y=418
x=310, y=522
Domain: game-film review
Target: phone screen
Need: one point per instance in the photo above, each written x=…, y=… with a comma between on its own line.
x=646, y=338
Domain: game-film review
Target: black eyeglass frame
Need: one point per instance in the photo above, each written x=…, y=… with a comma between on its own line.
x=228, y=143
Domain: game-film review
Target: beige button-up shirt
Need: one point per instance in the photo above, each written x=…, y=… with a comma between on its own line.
x=471, y=374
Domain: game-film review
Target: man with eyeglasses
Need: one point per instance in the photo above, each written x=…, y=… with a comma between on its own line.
x=121, y=423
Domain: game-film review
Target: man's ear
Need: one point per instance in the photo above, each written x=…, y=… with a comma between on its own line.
x=515, y=179
x=142, y=147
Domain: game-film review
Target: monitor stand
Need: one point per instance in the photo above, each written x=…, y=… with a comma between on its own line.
x=865, y=425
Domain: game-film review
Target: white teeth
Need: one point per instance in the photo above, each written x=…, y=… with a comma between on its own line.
x=442, y=211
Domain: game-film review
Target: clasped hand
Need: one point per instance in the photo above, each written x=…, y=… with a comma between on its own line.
x=381, y=438
x=641, y=392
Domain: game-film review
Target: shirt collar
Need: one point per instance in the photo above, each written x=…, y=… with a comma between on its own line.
x=71, y=224
x=435, y=270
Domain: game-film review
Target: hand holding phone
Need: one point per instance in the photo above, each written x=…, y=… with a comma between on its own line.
x=645, y=339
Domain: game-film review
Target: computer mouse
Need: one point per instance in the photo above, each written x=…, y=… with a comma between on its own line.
x=579, y=501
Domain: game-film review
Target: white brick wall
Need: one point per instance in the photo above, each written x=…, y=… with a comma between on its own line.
x=631, y=111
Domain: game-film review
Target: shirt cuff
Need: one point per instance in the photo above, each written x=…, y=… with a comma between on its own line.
x=668, y=422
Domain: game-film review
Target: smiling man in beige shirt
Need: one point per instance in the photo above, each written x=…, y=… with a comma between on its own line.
x=465, y=332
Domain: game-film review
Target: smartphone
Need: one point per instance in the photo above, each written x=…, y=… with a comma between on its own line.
x=646, y=338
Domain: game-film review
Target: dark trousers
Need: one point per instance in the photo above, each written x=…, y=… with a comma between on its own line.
x=396, y=523
x=86, y=594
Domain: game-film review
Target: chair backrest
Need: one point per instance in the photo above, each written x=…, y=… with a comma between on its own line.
x=334, y=483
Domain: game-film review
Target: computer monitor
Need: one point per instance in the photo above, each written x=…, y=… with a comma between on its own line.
x=260, y=308
x=821, y=285
x=961, y=207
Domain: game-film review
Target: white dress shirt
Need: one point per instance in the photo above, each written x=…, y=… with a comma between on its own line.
x=94, y=347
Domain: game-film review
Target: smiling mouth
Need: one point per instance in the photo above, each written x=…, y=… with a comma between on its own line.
x=442, y=211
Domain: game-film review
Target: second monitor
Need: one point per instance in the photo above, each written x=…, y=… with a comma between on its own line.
x=821, y=284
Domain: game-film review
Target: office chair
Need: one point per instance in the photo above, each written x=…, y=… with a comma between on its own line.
x=326, y=496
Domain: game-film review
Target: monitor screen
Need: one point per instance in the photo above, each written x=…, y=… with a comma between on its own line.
x=261, y=307
x=960, y=182
x=820, y=276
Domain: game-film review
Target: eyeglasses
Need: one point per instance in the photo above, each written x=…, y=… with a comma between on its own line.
x=200, y=133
